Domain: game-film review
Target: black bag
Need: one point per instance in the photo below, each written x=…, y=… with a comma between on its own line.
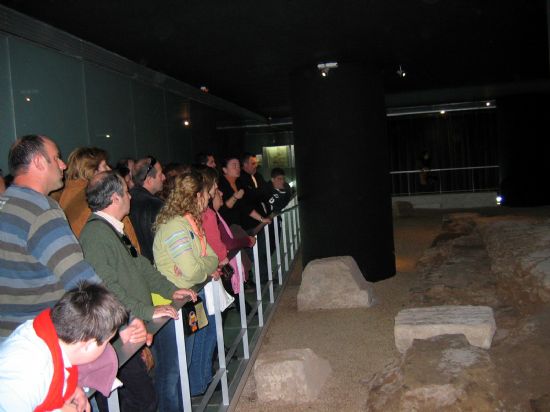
x=194, y=316
x=227, y=272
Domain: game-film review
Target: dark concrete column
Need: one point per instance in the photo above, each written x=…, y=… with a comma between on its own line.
x=342, y=165
x=524, y=132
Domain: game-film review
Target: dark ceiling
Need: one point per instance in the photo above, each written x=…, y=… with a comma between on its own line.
x=244, y=50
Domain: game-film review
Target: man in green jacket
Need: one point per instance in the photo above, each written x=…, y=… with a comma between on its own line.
x=127, y=274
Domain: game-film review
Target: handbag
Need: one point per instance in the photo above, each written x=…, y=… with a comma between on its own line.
x=227, y=274
x=225, y=299
x=193, y=316
x=227, y=270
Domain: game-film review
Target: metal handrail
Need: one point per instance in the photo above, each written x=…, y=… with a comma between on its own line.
x=435, y=185
x=291, y=240
x=396, y=172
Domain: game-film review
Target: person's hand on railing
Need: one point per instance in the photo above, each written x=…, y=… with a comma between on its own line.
x=136, y=332
x=165, y=310
x=223, y=262
x=216, y=274
x=77, y=402
x=182, y=293
x=252, y=241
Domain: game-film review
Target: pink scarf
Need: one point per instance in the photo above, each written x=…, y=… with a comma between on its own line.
x=235, y=281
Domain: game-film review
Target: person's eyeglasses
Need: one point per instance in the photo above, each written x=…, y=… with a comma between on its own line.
x=131, y=249
x=150, y=167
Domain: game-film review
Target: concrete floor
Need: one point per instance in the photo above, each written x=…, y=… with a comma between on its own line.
x=356, y=342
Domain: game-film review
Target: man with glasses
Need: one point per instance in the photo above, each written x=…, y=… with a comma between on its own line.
x=127, y=274
x=148, y=181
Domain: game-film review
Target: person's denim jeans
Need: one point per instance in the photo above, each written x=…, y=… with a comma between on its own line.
x=199, y=348
x=167, y=371
x=201, y=352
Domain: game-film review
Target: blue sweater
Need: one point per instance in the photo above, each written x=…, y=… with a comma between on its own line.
x=40, y=258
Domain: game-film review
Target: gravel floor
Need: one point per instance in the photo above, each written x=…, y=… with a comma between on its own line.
x=356, y=342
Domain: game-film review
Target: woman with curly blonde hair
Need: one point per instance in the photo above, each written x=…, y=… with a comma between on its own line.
x=188, y=196
x=186, y=259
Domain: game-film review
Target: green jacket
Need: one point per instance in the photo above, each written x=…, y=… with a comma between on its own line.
x=131, y=279
x=176, y=245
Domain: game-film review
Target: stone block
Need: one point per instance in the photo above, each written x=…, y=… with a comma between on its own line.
x=476, y=323
x=402, y=208
x=334, y=283
x=292, y=376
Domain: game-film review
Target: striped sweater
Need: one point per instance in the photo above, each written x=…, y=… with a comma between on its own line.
x=40, y=257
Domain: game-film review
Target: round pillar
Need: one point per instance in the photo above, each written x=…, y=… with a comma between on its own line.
x=342, y=165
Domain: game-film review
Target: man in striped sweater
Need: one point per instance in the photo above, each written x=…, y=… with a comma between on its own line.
x=40, y=258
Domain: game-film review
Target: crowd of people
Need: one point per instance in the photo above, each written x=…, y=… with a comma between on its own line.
x=88, y=251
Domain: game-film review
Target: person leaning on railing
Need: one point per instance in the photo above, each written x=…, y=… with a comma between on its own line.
x=185, y=258
x=221, y=239
x=127, y=274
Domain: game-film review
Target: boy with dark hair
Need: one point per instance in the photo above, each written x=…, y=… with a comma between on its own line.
x=38, y=362
x=278, y=191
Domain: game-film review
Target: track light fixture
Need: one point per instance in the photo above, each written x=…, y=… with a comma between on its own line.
x=400, y=72
x=324, y=68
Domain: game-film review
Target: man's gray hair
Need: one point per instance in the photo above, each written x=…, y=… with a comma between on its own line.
x=101, y=189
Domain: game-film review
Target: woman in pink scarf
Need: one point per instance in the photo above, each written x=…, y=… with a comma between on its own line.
x=219, y=235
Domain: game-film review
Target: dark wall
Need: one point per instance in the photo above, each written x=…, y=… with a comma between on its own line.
x=524, y=130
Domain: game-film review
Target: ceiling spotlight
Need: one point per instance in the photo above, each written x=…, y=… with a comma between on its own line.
x=400, y=72
x=186, y=122
x=204, y=89
x=324, y=68
x=487, y=104
x=442, y=111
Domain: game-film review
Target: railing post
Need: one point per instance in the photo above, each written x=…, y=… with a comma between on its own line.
x=258, y=284
x=285, y=241
x=278, y=249
x=294, y=225
x=216, y=285
x=242, y=306
x=298, y=231
x=291, y=234
x=182, y=361
x=268, y=259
